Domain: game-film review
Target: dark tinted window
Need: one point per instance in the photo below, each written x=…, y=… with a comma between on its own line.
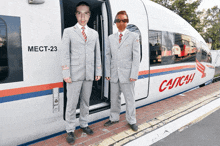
x=202, y=55
x=168, y=48
x=199, y=54
x=3, y=51
x=134, y=28
x=167, y=56
x=184, y=48
x=11, y=68
x=209, y=58
x=155, y=45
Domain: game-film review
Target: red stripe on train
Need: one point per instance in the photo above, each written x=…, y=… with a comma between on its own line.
x=23, y=90
x=165, y=69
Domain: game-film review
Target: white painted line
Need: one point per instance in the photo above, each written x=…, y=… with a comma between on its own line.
x=169, y=128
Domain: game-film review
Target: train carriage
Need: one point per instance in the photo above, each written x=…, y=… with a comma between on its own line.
x=32, y=92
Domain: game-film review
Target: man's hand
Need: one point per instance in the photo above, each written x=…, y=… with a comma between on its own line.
x=131, y=80
x=67, y=80
x=107, y=78
x=97, y=78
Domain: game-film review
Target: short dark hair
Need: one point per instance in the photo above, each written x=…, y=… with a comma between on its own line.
x=82, y=3
x=123, y=13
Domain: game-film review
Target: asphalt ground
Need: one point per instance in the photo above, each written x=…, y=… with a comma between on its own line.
x=204, y=133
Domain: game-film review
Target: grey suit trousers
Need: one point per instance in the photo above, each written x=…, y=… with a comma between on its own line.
x=128, y=90
x=76, y=90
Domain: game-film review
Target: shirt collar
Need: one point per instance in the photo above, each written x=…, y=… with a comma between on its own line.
x=123, y=32
x=80, y=26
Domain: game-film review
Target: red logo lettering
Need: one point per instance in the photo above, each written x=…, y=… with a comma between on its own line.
x=161, y=90
x=179, y=81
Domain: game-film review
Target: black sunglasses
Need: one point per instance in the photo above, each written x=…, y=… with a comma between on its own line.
x=119, y=20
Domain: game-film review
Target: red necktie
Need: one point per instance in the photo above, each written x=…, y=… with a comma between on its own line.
x=120, y=37
x=83, y=33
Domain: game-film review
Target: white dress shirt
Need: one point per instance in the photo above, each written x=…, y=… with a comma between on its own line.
x=123, y=33
x=80, y=27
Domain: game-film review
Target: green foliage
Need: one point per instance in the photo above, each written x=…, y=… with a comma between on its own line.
x=165, y=3
x=187, y=11
x=211, y=24
x=184, y=9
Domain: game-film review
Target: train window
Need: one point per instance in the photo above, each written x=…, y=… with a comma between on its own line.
x=184, y=48
x=199, y=54
x=209, y=58
x=11, y=68
x=198, y=51
x=3, y=51
x=204, y=56
x=155, y=45
x=167, y=56
x=134, y=28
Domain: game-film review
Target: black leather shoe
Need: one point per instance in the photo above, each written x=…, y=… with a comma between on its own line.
x=70, y=138
x=134, y=127
x=87, y=130
x=110, y=123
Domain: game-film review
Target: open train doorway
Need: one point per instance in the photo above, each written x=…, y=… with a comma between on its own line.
x=98, y=21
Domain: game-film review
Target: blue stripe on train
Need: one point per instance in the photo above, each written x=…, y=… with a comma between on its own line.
x=27, y=95
x=48, y=92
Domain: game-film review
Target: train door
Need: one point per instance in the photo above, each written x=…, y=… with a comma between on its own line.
x=99, y=22
x=138, y=23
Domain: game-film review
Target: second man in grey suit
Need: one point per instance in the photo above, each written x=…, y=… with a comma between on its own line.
x=122, y=66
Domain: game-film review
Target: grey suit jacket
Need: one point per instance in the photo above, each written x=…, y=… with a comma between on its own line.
x=122, y=59
x=79, y=57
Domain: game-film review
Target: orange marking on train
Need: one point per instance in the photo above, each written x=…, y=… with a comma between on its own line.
x=145, y=72
x=65, y=68
x=210, y=66
x=23, y=90
x=171, y=68
x=165, y=69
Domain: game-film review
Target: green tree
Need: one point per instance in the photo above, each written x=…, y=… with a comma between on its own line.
x=211, y=25
x=165, y=3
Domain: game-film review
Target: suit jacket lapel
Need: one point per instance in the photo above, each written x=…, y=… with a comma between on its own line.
x=124, y=38
x=116, y=39
x=78, y=31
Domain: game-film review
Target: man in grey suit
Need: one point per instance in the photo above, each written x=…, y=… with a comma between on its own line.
x=122, y=66
x=79, y=46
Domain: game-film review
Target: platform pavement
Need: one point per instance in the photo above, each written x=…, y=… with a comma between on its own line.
x=149, y=118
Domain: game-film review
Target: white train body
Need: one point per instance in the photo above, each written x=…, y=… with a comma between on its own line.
x=31, y=87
